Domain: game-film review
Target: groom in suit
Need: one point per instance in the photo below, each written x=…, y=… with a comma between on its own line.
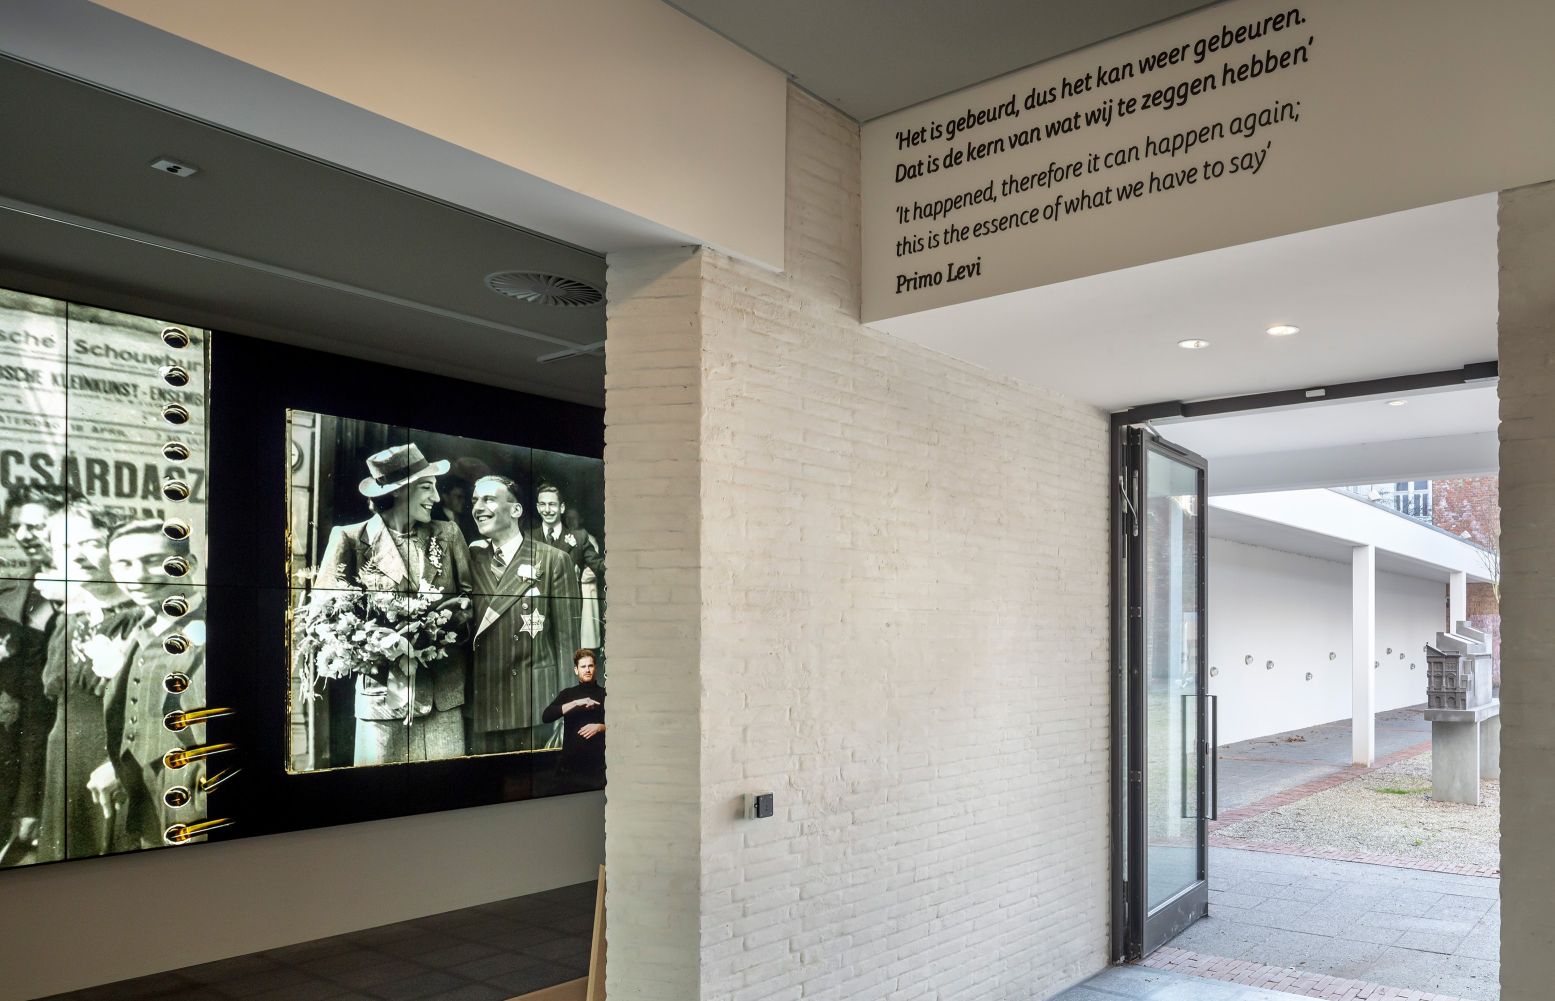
x=526, y=624
x=402, y=549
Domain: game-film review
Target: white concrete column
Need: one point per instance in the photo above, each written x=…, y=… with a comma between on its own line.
x=1363, y=652
x=1457, y=599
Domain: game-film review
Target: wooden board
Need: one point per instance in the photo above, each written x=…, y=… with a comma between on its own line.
x=572, y=990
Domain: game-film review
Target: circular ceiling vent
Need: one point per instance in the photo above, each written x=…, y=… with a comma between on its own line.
x=543, y=289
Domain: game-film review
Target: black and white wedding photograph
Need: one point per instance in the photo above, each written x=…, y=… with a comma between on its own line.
x=447, y=599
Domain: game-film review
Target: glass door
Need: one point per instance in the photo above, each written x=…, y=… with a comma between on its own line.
x=1168, y=741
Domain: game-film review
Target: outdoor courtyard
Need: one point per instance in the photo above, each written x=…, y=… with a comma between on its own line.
x=1334, y=881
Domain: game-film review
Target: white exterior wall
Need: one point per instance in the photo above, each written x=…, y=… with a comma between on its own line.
x=1295, y=611
x=901, y=571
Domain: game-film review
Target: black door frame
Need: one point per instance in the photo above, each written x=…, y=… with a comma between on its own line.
x=1123, y=916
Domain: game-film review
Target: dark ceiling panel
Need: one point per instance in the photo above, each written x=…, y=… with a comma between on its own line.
x=276, y=242
x=872, y=57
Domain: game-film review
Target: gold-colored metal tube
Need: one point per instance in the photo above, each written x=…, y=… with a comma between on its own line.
x=178, y=757
x=182, y=719
x=209, y=782
x=180, y=833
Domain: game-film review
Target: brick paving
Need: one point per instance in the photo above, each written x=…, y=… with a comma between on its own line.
x=1283, y=979
x=1289, y=795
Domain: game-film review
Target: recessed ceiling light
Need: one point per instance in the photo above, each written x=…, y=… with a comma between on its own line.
x=1282, y=330
x=1193, y=344
x=178, y=168
x=1397, y=403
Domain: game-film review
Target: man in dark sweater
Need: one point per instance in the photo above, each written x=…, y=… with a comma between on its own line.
x=581, y=709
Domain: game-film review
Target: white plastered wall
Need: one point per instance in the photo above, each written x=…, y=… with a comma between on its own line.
x=1294, y=610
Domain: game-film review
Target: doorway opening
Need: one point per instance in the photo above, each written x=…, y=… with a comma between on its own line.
x=1307, y=656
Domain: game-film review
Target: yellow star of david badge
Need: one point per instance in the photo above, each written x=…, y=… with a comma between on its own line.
x=533, y=622
x=5, y=648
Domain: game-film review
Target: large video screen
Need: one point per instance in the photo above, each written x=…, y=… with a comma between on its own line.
x=101, y=602
x=447, y=599
x=247, y=588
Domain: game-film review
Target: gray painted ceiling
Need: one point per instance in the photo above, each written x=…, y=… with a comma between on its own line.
x=871, y=57
x=270, y=243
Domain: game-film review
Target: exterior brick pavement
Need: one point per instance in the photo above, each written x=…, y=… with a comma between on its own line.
x=1276, y=978
x=1286, y=797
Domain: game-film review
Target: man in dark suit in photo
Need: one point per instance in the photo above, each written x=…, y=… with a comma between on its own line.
x=587, y=558
x=133, y=782
x=526, y=624
x=85, y=654
x=402, y=549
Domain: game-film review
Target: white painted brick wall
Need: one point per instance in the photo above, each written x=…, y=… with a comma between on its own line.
x=1527, y=390
x=653, y=410
x=895, y=619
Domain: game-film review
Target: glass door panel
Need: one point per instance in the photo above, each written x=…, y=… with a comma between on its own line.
x=1172, y=680
x=1164, y=540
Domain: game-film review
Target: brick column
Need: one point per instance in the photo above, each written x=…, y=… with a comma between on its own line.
x=653, y=478
x=1527, y=353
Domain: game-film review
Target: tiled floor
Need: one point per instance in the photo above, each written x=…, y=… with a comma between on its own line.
x=487, y=953
x=1399, y=927
x=1137, y=983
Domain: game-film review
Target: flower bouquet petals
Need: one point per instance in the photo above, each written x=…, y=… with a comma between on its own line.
x=354, y=631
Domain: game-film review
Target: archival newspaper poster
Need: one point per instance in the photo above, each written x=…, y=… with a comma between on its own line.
x=101, y=609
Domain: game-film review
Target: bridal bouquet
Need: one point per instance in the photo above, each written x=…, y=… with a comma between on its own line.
x=355, y=631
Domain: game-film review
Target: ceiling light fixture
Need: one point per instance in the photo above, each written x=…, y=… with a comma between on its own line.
x=1282, y=330
x=1397, y=403
x=178, y=168
x=1193, y=344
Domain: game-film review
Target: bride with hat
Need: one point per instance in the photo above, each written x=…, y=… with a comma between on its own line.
x=400, y=715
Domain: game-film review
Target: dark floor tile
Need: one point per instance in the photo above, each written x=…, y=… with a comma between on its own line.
x=420, y=986
x=367, y=977
x=139, y=989
x=264, y=981
x=227, y=969
x=385, y=934
x=312, y=990
x=450, y=956
x=518, y=936
x=491, y=966
x=471, y=992
x=532, y=978
x=304, y=951
x=561, y=949
x=574, y=924
x=354, y=959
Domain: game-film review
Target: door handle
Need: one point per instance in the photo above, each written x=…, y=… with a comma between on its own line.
x=1214, y=757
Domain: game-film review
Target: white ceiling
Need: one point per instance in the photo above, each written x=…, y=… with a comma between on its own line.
x=1234, y=526
x=1435, y=434
x=871, y=57
x=1399, y=294
x=1437, y=414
